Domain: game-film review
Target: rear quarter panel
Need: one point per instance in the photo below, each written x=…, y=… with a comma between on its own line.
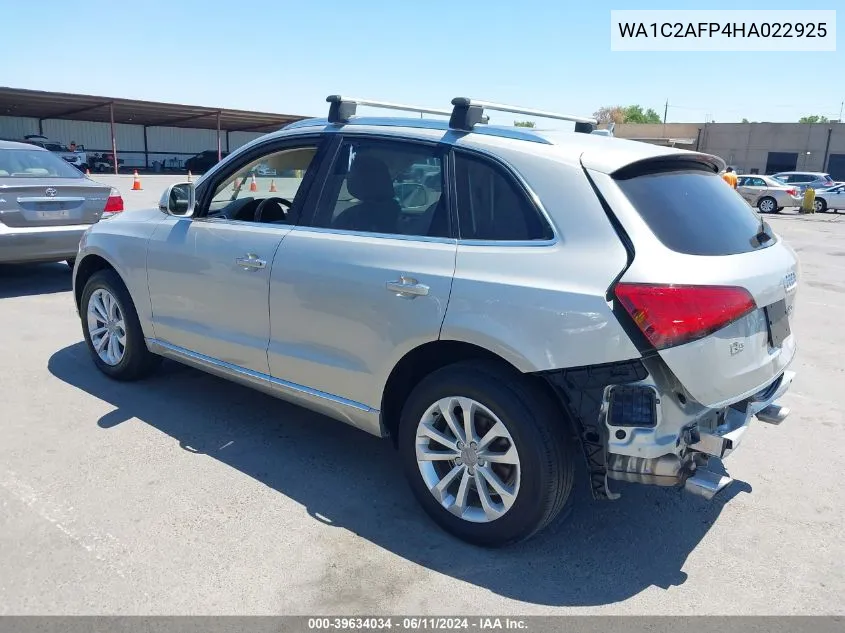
x=122, y=241
x=544, y=306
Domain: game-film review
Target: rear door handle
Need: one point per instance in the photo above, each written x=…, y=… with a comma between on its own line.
x=250, y=262
x=407, y=287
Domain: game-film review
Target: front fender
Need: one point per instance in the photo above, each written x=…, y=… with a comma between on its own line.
x=122, y=242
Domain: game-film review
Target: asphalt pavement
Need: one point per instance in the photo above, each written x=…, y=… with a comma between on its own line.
x=185, y=494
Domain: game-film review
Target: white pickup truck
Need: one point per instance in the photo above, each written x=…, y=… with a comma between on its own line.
x=78, y=158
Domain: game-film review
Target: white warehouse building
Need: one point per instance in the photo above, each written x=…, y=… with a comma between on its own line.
x=145, y=135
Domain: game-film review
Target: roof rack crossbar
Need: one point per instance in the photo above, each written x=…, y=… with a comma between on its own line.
x=342, y=109
x=466, y=114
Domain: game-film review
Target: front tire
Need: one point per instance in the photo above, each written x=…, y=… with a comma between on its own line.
x=486, y=453
x=819, y=205
x=112, y=330
x=767, y=204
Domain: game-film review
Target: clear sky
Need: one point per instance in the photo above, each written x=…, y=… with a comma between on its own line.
x=285, y=56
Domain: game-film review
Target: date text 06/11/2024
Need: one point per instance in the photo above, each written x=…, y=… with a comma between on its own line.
x=417, y=623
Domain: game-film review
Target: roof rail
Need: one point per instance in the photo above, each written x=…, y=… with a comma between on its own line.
x=467, y=113
x=342, y=109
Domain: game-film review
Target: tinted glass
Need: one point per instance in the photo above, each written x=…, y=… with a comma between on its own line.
x=492, y=207
x=383, y=187
x=693, y=212
x=34, y=163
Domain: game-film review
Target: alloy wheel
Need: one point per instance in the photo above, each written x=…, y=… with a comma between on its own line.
x=468, y=459
x=106, y=327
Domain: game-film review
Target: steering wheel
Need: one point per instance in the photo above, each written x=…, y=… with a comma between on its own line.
x=280, y=203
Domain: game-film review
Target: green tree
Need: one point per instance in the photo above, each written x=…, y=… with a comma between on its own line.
x=814, y=118
x=635, y=114
x=744, y=120
x=524, y=123
x=626, y=114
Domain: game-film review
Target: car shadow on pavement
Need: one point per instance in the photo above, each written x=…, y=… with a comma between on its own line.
x=602, y=553
x=23, y=280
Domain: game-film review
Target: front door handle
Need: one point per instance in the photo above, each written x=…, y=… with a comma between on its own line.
x=407, y=287
x=250, y=262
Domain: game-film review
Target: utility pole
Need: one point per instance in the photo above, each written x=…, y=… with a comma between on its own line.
x=841, y=106
x=665, y=111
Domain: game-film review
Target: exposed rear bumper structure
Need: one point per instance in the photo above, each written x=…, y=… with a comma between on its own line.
x=675, y=446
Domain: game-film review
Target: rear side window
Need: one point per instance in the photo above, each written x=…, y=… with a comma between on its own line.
x=694, y=212
x=492, y=207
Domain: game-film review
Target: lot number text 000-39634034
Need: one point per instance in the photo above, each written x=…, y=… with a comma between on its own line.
x=713, y=30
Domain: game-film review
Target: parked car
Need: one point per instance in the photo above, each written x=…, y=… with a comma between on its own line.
x=77, y=157
x=203, y=161
x=46, y=205
x=767, y=194
x=802, y=180
x=482, y=334
x=832, y=199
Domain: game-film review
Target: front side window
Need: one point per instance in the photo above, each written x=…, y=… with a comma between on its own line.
x=273, y=179
x=385, y=187
x=34, y=163
x=492, y=207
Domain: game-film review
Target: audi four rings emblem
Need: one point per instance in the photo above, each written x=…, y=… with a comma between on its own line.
x=50, y=192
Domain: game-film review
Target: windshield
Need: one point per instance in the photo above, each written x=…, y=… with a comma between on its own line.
x=34, y=163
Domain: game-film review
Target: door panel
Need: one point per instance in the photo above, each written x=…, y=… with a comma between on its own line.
x=336, y=325
x=209, y=288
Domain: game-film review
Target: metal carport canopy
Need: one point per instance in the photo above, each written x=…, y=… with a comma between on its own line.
x=59, y=105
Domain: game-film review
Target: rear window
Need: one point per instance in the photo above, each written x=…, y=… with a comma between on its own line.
x=34, y=163
x=694, y=212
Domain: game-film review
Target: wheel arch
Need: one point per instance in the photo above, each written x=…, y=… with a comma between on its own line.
x=424, y=359
x=85, y=269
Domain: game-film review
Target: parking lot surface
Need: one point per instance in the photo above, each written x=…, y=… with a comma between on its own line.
x=185, y=494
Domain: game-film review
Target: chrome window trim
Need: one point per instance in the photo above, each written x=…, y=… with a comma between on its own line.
x=389, y=236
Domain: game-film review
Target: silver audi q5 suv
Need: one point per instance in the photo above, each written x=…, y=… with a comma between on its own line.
x=513, y=308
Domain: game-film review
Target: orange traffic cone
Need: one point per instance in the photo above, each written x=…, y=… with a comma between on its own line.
x=273, y=186
x=87, y=172
x=136, y=184
x=253, y=186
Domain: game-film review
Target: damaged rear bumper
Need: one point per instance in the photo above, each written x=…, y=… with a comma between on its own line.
x=636, y=424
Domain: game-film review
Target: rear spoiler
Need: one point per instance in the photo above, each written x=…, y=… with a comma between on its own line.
x=670, y=162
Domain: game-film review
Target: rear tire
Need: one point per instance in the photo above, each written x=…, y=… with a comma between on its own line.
x=536, y=487
x=819, y=206
x=131, y=360
x=767, y=204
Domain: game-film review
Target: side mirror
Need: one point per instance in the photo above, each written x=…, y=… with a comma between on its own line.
x=178, y=200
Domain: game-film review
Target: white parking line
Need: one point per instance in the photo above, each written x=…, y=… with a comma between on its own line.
x=105, y=547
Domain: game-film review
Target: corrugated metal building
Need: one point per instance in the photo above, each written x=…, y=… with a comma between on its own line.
x=145, y=134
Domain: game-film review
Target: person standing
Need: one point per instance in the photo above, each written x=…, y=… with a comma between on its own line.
x=730, y=177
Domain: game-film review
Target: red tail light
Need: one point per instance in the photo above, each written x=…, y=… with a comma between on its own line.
x=671, y=315
x=792, y=192
x=114, y=204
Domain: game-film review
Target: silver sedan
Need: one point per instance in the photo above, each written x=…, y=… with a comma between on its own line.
x=766, y=193
x=46, y=205
x=830, y=199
